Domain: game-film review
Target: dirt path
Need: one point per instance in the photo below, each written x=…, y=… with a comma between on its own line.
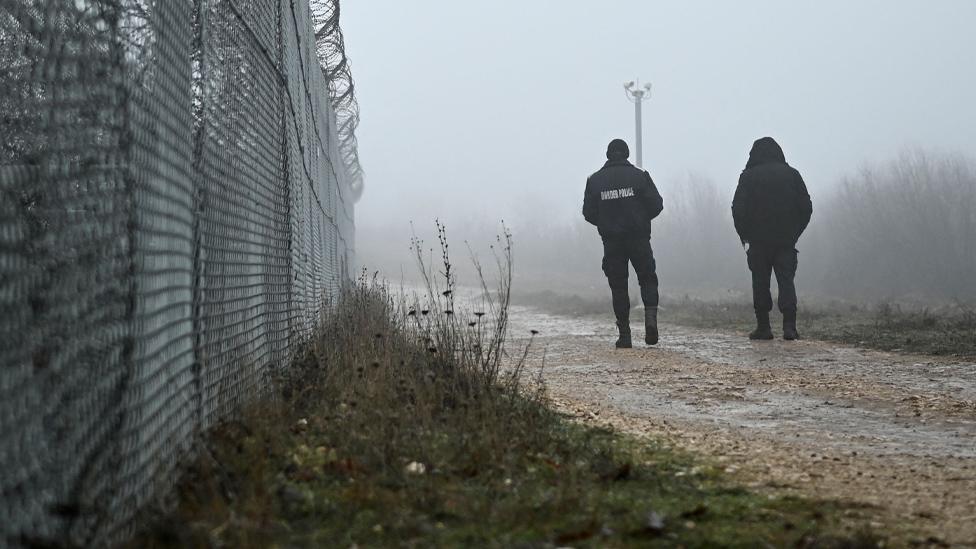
x=893, y=433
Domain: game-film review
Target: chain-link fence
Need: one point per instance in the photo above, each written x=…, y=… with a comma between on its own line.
x=177, y=180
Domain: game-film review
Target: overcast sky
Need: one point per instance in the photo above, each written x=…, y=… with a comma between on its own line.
x=490, y=110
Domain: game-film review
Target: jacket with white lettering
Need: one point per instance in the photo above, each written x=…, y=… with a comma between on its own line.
x=621, y=200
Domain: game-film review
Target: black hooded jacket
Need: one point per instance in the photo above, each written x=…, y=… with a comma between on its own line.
x=621, y=200
x=771, y=204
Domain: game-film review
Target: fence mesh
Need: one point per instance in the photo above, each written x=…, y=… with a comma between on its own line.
x=177, y=186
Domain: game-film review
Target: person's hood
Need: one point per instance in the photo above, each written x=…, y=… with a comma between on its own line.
x=765, y=151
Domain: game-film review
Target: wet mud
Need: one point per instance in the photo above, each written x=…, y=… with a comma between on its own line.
x=894, y=435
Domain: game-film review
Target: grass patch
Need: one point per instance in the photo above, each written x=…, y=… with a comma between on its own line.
x=567, y=304
x=948, y=331
x=405, y=425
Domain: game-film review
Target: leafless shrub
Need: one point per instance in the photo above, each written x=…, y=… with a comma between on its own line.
x=905, y=229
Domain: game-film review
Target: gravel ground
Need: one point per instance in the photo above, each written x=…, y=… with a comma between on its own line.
x=893, y=434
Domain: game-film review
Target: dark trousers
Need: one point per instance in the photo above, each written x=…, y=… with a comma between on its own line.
x=617, y=253
x=764, y=260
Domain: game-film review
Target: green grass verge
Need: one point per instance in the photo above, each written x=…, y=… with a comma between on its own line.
x=552, y=483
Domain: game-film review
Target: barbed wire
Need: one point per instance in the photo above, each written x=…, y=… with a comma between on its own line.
x=331, y=49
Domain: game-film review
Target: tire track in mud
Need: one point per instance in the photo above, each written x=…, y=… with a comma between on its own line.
x=893, y=434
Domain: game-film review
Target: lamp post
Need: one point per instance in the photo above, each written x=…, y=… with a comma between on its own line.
x=637, y=94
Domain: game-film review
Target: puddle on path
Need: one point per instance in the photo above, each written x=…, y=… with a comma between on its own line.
x=840, y=429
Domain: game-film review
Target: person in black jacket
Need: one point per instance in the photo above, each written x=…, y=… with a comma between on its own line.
x=621, y=200
x=771, y=209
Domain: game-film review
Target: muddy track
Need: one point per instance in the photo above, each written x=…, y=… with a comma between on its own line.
x=894, y=435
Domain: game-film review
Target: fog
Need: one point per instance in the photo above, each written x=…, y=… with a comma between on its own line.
x=476, y=113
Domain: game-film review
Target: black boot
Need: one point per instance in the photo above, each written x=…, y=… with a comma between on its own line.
x=624, y=342
x=621, y=310
x=762, y=331
x=650, y=325
x=789, y=326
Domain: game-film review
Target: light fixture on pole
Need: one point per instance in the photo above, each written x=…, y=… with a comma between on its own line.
x=637, y=94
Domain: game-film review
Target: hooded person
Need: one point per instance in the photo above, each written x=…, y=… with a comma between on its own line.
x=771, y=209
x=621, y=200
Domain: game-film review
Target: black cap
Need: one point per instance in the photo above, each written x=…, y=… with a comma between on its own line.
x=618, y=150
